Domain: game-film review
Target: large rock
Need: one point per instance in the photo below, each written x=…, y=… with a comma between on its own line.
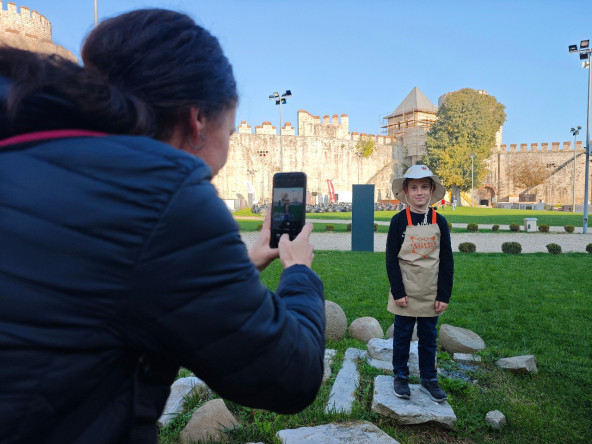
x=495, y=419
x=336, y=321
x=364, y=329
x=519, y=364
x=208, y=423
x=420, y=409
x=358, y=432
x=459, y=340
x=341, y=398
x=181, y=389
x=328, y=362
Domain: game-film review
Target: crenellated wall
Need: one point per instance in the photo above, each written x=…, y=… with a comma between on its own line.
x=322, y=149
x=26, y=29
x=556, y=157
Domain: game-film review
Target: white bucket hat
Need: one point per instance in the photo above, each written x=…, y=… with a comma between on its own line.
x=419, y=172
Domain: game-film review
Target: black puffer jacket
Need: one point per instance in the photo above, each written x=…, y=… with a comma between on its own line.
x=118, y=264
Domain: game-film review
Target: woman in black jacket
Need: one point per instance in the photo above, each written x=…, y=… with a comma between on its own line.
x=118, y=261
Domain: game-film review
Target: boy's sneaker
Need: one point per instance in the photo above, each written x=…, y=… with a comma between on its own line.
x=402, y=388
x=433, y=390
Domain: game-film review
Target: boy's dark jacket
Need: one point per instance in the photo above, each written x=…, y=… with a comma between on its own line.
x=118, y=264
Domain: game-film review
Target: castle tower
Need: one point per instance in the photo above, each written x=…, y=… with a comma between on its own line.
x=410, y=122
x=26, y=29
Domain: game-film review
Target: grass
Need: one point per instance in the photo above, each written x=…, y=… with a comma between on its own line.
x=537, y=304
x=467, y=215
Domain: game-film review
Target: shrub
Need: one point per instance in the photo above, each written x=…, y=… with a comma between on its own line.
x=473, y=228
x=589, y=248
x=259, y=227
x=512, y=247
x=554, y=248
x=348, y=227
x=449, y=227
x=330, y=227
x=514, y=227
x=467, y=247
x=544, y=228
x=375, y=227
x=495, y=227
x=569, y=228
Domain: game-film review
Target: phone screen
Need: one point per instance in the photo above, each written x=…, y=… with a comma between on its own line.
x=288, y=206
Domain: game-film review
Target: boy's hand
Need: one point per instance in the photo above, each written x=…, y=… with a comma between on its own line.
x=402, y=302
x=440, y=306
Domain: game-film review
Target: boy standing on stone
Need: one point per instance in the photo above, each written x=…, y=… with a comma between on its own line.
x=420, y=269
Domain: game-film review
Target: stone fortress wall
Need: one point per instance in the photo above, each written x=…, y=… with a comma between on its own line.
x=26, y=29
x=556, y=157
x=323, y=149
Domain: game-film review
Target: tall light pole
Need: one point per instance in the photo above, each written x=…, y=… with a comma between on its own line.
x=280, y=100
x=472, y=178
x=96, y=15
x=574, y=132
x=585, y=55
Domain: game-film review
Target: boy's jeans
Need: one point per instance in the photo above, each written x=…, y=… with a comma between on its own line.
x=426, y=333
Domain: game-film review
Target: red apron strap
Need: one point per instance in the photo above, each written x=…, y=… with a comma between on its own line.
x=433, y=216
x=409, y=222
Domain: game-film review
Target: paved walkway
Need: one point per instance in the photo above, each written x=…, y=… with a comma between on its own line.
x=485, y=242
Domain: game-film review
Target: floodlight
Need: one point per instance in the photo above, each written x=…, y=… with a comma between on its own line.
x=584, y=44
x=275, y=94
x=271, y=96
x=583, y=56
x=283, y=101
x=288, y=93
x=573, y=48
x=572, y=130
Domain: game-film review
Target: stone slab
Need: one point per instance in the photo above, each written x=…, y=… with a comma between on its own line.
x=180, y=389
x=342, y=396
x=420, y=409
x=358, y=432
x=328, y=362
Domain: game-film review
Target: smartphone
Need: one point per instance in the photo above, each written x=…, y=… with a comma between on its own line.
x=288, y=206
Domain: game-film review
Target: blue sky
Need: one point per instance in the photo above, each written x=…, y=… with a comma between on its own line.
x=362, y=58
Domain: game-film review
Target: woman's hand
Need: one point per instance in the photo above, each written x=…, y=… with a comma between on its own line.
x=260, y=253
x=298, y=251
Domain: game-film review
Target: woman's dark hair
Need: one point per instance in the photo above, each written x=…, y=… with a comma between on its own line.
x=163, y=58
x=143, y=71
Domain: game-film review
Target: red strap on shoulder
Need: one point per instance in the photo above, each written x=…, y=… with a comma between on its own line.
x=433, y=216
x=409, y=222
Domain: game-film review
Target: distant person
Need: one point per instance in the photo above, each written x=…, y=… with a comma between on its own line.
x=420, y=269
x=286, y=203
x=454, y=204
x=119, y=261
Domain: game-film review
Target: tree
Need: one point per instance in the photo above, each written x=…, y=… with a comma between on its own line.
x=467, y=123
x=365, y=147
x=528, y=173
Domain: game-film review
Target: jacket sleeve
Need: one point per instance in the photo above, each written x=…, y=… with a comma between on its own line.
x=393, y=246
x=197, y=299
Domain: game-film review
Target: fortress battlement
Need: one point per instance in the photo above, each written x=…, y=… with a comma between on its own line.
x=24, y=21
x=535, y=147
x=335, y=126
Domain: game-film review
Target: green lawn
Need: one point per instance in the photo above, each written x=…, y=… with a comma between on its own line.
x=467, y=214
x=519, y=304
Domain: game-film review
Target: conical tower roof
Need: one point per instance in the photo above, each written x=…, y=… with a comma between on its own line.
x=415, y=100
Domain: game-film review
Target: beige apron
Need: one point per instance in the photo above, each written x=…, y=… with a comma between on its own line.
x=419, y=259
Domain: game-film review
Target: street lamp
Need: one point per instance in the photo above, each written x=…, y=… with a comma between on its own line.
x=584, y=52
x=96, y=19
x=472, y=179
x=574, y=132
x=280, y=100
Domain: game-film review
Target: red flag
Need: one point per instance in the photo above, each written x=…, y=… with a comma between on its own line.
x=331, y=191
